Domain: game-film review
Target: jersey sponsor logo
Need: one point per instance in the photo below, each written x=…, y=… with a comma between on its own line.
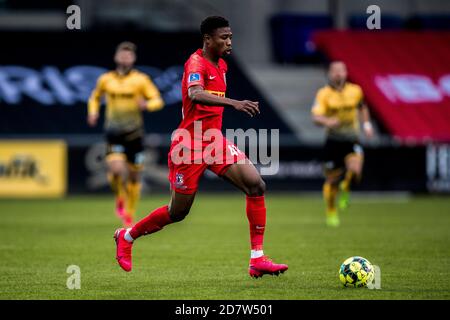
x=217, y=93
x=194, y=77
x=114, y=95
x=212, y=77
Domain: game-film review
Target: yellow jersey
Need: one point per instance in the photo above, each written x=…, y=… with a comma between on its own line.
x=342, y=104
x=123, y=93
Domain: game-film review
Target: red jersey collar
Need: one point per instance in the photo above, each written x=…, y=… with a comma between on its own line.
x=200, y=53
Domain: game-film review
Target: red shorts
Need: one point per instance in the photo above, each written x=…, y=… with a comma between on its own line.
x=184, y=177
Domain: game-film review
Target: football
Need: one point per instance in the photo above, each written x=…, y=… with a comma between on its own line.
x=356, y=272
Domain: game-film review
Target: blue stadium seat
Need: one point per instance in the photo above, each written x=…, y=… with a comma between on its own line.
x=291, y=36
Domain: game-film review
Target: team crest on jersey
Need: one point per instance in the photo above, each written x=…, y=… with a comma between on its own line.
x=194, y=77
x=179, y=180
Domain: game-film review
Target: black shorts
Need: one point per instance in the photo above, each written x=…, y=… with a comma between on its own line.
x=125, y=145
x=336, y=151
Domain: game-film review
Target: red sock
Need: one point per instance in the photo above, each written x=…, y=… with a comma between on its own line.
x=256, y=214
x=154, y=222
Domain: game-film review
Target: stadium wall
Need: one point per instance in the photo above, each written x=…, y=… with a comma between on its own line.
x=418, y=169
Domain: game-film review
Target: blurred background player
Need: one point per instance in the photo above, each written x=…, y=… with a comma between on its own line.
x=128, y=92
x=203, y=91
x=338, y=107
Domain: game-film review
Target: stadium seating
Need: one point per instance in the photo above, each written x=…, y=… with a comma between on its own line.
x=291, y=36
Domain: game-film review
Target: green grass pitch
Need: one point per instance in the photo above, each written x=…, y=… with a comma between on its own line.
x=206, y=255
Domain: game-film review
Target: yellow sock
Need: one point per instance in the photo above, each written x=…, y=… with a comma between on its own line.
x=117, y=185
x=329, y=195
x=346, y=183
x=134, y=193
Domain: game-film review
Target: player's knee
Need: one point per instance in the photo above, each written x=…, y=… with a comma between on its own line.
x=334, y=181
x=177, y=215
x=116, y=168
x=356, y=169
x=256, y=188
x=134, y=177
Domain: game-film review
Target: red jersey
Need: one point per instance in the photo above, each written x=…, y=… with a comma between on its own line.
x=198, y=71
x=190, y=155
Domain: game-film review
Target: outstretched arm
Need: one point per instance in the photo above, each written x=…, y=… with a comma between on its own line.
x=327, y=122
x=198, y=95
x=365, y=117
x=153, y=100
x=319, y=113
x=94, y=103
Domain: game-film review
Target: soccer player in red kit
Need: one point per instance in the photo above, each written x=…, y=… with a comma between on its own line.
x=203, y=91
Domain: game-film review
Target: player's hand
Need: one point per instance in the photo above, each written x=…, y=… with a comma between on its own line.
x=92, y=120
x=368, y=130
x=333, y=123
x=249, y=107
x=142, y=103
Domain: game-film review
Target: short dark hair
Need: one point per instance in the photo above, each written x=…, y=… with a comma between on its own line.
x=126, y=45
x=210, y=24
